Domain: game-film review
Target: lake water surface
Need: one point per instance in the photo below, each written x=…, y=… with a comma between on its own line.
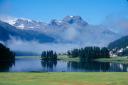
x=36, y=65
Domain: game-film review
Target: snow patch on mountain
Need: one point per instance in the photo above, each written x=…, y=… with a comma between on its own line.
x=71, y=29
x=8, y=19
x=20, y=26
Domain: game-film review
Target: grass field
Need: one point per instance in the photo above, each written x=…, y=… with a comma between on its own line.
x=60, y=57
x=64, y=78
x=28, y=57
x=114, y=59
x=118, y=59
x=67, y=58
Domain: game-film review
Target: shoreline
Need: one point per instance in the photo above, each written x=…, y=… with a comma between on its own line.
x=118, y=59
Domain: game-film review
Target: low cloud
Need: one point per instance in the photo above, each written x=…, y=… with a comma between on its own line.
x=36, y=47
x=117, y=23
x=71, y=34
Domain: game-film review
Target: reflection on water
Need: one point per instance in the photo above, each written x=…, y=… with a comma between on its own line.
x=29, y=65
x=48, y=65
x=89, y=66
x=119, y=67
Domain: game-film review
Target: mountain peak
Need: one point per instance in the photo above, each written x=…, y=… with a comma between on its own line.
x=69, y=18
x=74, y=19
x=8, y=19
x=54, y=22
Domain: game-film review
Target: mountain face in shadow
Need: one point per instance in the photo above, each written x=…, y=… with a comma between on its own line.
x=71, y=29
x=7, y=31
x=119, y=46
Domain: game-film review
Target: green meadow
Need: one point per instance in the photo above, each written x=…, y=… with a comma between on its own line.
x=62, y=78
x=119, y=59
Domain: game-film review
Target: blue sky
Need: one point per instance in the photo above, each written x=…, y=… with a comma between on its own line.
x=93, y=11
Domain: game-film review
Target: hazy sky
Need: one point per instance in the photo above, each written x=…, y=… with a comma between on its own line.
x=93, y=11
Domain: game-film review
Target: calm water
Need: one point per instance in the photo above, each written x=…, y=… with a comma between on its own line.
x=36, y=65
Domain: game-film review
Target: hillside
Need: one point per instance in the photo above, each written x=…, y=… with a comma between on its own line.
x=7, y=32
x=120, y=46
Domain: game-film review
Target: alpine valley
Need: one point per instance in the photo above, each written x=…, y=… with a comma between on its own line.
x=71, y=30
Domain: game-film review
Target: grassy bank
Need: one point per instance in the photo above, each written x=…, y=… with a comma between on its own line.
x=114, y=59
x=60, y=57
x=28, y=57
x=63, y=78
x=67, y=58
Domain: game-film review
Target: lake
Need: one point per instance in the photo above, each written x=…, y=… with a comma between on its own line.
x=36, y=65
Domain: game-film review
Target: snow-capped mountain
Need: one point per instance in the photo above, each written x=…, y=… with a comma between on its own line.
x=8, y=31
x=8, y=19
x=75, y=20
x=28, y=24
x=71, y=29
x=22, y=23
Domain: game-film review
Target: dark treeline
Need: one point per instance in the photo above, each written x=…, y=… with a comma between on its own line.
x=49, y=55
x=6, y=54
x=89, y=53
x=7, y=58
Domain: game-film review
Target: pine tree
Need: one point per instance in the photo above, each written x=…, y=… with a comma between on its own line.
x=89, y=53
x=49, y=55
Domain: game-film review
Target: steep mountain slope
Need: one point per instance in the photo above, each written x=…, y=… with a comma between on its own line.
x=120, y=46
x=7, y=31
x=75, y=29
x=29, y=37
x=71, y=29
x=120, y=43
